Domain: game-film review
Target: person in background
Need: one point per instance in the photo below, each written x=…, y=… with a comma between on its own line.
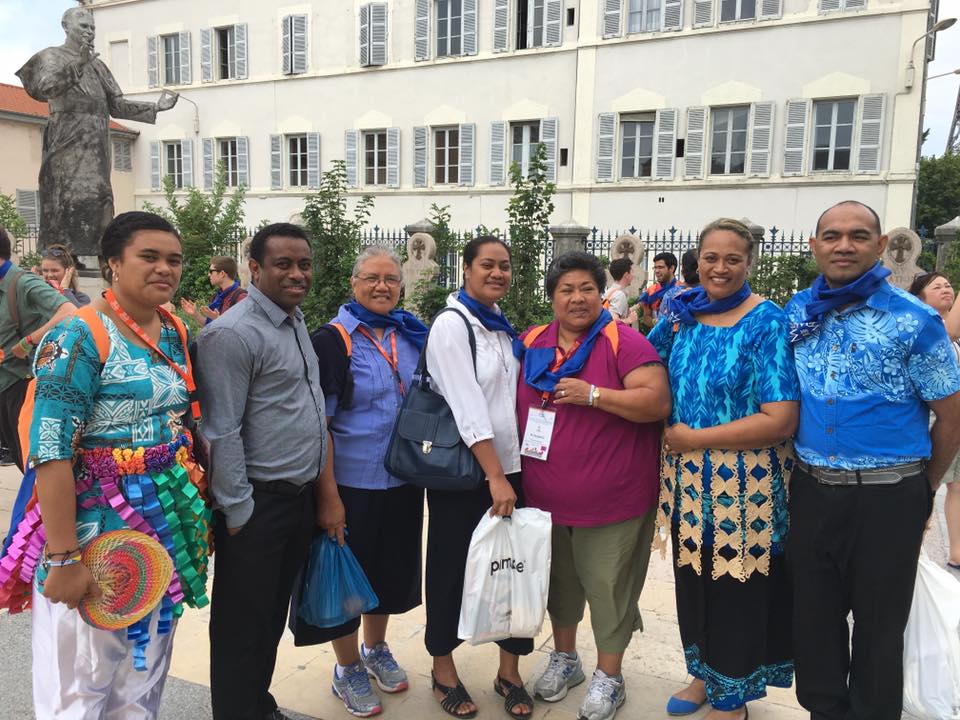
x=60, y=272
x=723, y=497
x=36, y=308
x=363, y=392
x=607, y=397
x=483, y=402
x=265, y=422
x=936, y=291
x=664, y=272
x=223, y=276
x=689, y=263
x=873, y=361
x=615, y=298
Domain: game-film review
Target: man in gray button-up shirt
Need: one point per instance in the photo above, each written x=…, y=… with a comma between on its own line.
x=264, y=418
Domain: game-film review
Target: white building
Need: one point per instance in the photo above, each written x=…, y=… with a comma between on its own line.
x=654, y=112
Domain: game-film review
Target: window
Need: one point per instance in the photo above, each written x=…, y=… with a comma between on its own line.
x=446, y=155
x=375, y=157
x=173, y=162
x=293, y=44
x=729, y=148
x=226, y=53
x=833, y=134
x=231, y=160
x=732, y=10
x=297, y=160
x=171, y=59
x=636, y=146
x=525, y=138
x=530, y=23
x=643, y=16
x=449, y=27
x=122, y=159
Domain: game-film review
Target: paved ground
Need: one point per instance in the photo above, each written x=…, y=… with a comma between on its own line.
x=653, y=665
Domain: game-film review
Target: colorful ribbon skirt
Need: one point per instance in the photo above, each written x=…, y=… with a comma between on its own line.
x=159, y=491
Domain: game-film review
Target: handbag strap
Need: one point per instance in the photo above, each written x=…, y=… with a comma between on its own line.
x=421, y=372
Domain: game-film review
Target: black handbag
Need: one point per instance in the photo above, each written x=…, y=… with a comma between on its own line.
x=425, y=447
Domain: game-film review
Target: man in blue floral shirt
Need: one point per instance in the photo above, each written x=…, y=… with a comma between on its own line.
x=872, y=361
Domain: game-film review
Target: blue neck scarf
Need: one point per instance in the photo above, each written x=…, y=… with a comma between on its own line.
x=221, y=295
x=404, y=321
x=823, y=299
x=695, y=301
x=538, y=361
x=491, y=320
x=4, y=268
x=652, y=298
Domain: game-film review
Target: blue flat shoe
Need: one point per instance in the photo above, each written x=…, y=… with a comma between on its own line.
x=677, y=707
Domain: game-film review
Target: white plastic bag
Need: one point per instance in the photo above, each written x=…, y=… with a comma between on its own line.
x=507, y=577
x=931, y=646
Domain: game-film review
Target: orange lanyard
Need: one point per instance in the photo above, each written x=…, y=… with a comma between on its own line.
x=186, y=375
x=560, y=359
x=392, y=360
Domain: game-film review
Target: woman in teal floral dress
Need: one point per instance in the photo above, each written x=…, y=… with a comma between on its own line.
x=723, y=491
x=110, y=451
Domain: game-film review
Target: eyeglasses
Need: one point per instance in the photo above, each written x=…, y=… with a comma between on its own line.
x=54, y=252
x=212, y=270
x=373, y=280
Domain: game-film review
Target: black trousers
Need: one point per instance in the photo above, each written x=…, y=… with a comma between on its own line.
x=253, y=575
x=853, y=548
x=11, y=400
x=453, y=516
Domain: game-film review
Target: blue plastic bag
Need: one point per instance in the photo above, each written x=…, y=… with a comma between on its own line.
x=334, y=587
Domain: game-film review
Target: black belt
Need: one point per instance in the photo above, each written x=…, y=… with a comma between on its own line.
x=870, y=476
x=281, y=487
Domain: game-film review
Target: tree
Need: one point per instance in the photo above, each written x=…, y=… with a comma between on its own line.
x=10, y=219
x=210, y=224
x=336, y=237
x=779, y=277
x=938, y=190
x=529, y=213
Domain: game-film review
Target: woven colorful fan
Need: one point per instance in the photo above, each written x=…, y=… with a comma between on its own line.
x=133, y=571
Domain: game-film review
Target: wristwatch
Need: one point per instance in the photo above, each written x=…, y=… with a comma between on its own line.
x=594, y=396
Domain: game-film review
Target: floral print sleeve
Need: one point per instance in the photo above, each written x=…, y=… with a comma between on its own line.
x=661, y=337
x=931, y=367
x=773, y=364
x=67, y=368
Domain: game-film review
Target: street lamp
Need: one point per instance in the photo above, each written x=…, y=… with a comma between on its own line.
x=942, y=25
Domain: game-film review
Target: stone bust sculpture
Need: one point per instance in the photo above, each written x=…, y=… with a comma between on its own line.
x=76, y=199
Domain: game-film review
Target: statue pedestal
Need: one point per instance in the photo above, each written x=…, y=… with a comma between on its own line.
x=901, y=255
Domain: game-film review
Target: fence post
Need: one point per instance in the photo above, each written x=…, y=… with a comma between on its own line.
x=944, y=235
x=568, y=236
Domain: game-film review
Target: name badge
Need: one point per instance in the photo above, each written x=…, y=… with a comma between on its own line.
x=539, y=433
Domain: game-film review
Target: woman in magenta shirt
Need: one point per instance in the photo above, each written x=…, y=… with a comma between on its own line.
x=590, y=404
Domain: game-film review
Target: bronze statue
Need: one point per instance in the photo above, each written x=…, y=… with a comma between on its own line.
x=76, y=200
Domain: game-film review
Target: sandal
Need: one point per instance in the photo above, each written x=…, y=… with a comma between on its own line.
x=453, y=698
x=513, y=695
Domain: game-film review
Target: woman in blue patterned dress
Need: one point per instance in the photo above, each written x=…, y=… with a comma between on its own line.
x=110, y=451
x=723, y=491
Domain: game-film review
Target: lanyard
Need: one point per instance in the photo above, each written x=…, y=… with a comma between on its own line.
x=561, y=358
x=186, y=375
x=391, y=359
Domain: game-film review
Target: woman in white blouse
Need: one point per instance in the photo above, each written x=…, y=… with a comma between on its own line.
x=484, y=406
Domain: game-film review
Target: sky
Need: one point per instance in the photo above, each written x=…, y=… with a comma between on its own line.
x=29, y=25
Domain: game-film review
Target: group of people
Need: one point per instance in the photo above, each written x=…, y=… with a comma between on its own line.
x=787, y=455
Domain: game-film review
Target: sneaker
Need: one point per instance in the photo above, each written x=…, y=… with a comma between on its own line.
x=604, y=695
x=383, y=668
x=563, y=672
x=354, y=689
x=6, y=459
